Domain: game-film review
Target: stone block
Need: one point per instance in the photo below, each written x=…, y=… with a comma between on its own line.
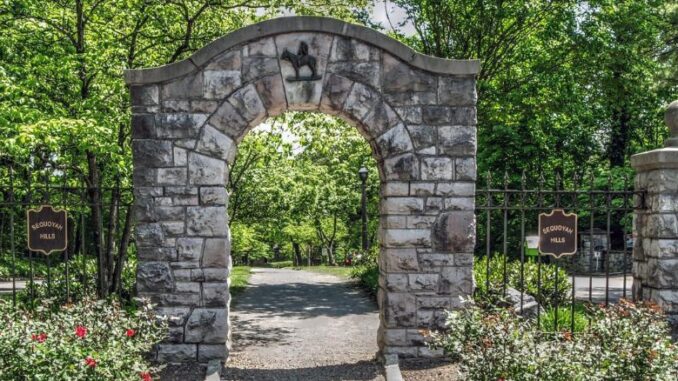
x=436, y=115
x=207, y=221
x=207, y=325
x=457, y=91
x=368, y=73
x=304, y=95
x=400, y=310
x=435, y=261
x=399, y=260
x=393, y=222
x=168, y=353
x=173, y=106
x=152, y=153
x=423, y=282
x=179, y=125
x=215, y=294
x=186, y=87
x=395, y=337
x=189, y=249
x=457, y=281
x=246, y=100
x=349, y=49
x=180, y=156
x=159, y=254
x=402, y=238
x=149, y=235
x=410, y=114
x=422, y=189
x=173, y=228
x=208, y=352
x=264, y=47
x=457, y=140
x=402, y=167
x=227, y=120
x=381, y=118
x=230, y=60
x=423, y=136
x=394, y=282
x=437, y=168
x=154, y=277
x=402, y=205
x=394, y=142
x=214, y=143
x=176, y=316
x=465, y=169
x=334, y=93
x=462, y=116
x=171, y=176
x=217, y=196
x=395, y=188
x=401, y=78
x=254, y=68
x=216, y=252
x=459, y=189
x=459, y=203
x=217, y=274
x=272, y=94
x=454, y=232
x=420, y=222
x=220, y=83
x=360, y=101
x=204, y=170
x=146, y=95
x=143, y=126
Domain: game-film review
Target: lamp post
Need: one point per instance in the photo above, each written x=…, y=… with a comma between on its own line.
x=363, y=207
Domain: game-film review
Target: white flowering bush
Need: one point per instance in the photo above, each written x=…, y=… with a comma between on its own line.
x=90, y=340
x=625, y=341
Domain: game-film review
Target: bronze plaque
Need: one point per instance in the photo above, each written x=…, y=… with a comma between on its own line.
x=557, y=233
x=47, y=229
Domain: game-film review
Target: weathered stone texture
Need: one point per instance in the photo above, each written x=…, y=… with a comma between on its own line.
x=418, y=117
x=655, y=251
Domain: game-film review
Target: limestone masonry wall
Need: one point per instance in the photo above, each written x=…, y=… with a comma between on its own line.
x=417, y=113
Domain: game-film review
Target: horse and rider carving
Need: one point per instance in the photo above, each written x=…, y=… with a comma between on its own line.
x=299, y=60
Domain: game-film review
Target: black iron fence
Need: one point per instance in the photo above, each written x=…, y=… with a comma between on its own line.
x=98, y=235
x=510, y=270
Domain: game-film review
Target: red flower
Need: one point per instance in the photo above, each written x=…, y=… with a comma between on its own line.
x=146, y=376
x=80, y=331
x=90, y=362
x=130, y=332
x=39, y=338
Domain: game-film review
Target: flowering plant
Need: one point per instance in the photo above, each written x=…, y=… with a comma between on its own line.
x=90, y=340
x=625, y=341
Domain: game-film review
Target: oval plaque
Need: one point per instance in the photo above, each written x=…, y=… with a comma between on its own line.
x=557, y=233
x=47, y=229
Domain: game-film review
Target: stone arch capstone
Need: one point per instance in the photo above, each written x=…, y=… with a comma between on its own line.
x=417, y=112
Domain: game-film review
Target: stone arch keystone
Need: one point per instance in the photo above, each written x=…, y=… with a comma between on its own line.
x=418, y=114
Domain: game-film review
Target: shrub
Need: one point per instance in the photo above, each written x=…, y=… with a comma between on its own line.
x=541, y=286
x=280, y=264
x=368, y=276
x=625, y=342
x=90, y=340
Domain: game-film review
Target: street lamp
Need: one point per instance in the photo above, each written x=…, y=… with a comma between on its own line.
x=363, y=207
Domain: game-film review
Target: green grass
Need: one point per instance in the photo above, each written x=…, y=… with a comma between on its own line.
x=340, y=271
x=280, y=264
x=240, y=276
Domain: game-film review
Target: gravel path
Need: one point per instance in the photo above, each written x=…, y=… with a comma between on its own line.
x=297, y=325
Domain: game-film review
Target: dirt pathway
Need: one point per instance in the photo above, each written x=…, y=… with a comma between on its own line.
x=297, y=325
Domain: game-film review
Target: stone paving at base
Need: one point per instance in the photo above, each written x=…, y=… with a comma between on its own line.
x=297, y=325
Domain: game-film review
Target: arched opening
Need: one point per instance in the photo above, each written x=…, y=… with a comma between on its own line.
x=416, y=112
x=295, y=221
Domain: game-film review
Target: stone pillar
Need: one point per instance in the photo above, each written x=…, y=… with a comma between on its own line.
x=655, y=253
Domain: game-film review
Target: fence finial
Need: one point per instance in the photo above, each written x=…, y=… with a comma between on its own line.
x=671, y=120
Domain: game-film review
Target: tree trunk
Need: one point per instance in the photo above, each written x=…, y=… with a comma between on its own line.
x=122, y=254
x=297, y=254
x=95, y=206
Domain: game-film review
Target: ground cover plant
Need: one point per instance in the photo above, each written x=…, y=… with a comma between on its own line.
x=537, y=280
x=88, y=340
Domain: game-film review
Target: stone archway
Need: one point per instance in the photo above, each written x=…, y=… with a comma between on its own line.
x=417, y=113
